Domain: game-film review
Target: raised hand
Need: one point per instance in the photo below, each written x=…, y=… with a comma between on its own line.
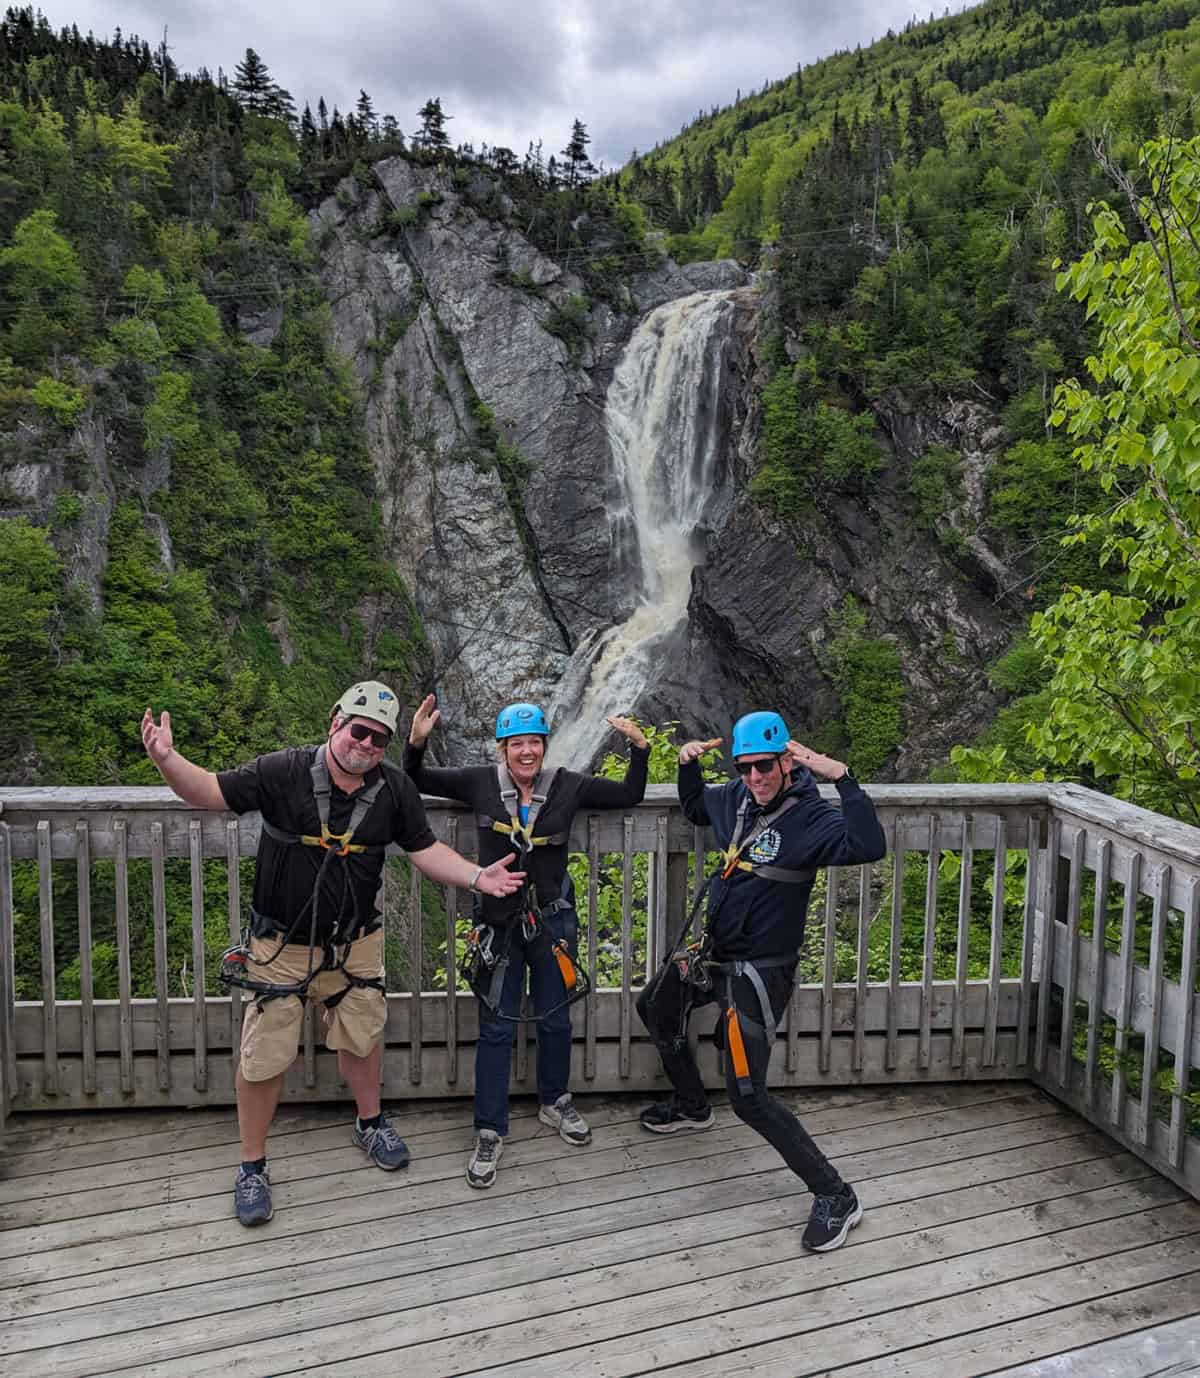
x=692, y=751
x=425, y=719
x=824, y=766
x=498, y=880
x=156, y=738
x=628, y=728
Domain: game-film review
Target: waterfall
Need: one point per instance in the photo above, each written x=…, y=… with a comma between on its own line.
x=663, y=414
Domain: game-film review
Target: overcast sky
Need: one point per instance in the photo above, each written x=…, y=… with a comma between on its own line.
x=633, y=70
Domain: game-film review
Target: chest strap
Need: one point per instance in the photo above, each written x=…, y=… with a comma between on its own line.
x=322, y=788
x=521, y=833
x=732, y=855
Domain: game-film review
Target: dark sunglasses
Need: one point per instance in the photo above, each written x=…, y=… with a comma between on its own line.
x=762, y=767
x=360, y=732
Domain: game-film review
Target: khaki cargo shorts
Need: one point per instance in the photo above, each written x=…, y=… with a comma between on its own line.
x=271, y=1028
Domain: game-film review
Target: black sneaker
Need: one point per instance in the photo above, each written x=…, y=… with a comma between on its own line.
x=832, y=1219
x=381, y=1143
x=252, y=1197
x=666, y=1117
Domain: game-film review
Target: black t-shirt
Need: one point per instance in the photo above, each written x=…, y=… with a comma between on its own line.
x=479, y=786
x=279, y=786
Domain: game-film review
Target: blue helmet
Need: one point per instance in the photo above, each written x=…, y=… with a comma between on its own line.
x=520, y=718
x=759, y=732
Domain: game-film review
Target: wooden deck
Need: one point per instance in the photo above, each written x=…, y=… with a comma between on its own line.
x=1001, y=1231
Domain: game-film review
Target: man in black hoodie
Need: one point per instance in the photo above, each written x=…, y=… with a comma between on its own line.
x=775, y=831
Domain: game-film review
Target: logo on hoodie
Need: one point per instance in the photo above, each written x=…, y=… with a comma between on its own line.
x=764, y=848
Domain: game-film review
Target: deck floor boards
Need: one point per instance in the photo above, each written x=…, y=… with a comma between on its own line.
x=1001, y=1230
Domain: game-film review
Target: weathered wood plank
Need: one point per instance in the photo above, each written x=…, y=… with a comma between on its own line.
x=861, y=958
x=158, y=905
x=626, y=1034
x=576, y=1182
x=996, y=943
x=449, y=1241
x=124, y=959
x=694, y=1326
x=895, y=941
x=933, y=862
x=1158, y=935
x=1070, y=981
x=46, y=936
x=832, y=880
x=1096, y=952
x=83, y=890
x=1124, y=987
x=1185, y=1058
x=434, y=1016
x=199, y=955
x=703, y=1252
x=8, y=986
x=962, y=952
x=1148, y=1343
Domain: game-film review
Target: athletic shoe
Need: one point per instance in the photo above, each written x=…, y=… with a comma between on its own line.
x=832, y=1219
x=481, y=1170
x=252, y=1197
x=562, y=1115
x=666, y=1117
x=381, y=1143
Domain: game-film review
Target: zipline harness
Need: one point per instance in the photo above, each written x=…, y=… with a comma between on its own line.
x=234, y=960
x=694, y=960
x=483, y=966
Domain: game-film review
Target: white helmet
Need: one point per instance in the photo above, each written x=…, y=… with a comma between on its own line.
x=373, y=700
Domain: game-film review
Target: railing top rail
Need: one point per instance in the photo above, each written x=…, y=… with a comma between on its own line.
x=120, y=798
x=1134, y=824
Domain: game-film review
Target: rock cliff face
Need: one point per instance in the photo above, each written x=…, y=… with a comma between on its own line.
x=462, y=332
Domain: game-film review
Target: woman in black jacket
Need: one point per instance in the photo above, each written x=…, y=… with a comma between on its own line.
x=519, y=807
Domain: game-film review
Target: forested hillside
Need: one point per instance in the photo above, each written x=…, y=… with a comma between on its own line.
x=914, y=200
x=192, y=515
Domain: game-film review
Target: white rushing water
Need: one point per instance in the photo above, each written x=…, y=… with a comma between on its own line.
x=663, y=417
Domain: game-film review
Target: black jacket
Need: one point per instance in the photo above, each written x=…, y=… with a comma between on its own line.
x=479, y=787
x=751, y=916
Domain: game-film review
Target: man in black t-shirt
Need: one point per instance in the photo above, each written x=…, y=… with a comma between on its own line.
x=314, y=921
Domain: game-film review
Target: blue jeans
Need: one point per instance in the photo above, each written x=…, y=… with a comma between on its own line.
x=493, y=1052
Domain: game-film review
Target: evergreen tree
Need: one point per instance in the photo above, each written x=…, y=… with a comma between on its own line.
x=252, y=83
x=433, y=119
x=579, y=167
x=368, y=121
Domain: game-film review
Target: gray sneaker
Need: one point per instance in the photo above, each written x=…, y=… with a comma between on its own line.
x=562, y=1115
x=481, y=1170
x=381, y=1143
x=252, y=1197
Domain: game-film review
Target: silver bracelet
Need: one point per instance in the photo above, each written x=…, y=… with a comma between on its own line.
x=472, y=884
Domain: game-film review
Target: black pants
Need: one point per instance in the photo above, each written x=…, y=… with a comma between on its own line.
x=664, y=1006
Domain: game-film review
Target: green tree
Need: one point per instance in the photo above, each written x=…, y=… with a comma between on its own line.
x=433, y=134
x=1126, y=681
x=580, y=167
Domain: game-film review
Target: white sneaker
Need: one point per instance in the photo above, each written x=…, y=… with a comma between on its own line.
x=481, y=1170
x=562, y=1115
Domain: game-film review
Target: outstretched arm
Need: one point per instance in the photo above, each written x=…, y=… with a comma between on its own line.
x=444, y=865
x=192, y=783
x=599, y=793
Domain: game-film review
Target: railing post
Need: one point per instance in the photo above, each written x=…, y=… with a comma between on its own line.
x=8, y=986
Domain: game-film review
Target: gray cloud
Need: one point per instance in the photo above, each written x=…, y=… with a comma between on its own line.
x=633, y=70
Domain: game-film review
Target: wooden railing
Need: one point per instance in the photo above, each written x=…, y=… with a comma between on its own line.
x=972, y=951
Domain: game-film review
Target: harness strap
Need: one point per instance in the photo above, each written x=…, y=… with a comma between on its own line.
x=732, y=855
x=522, y=833
x=354, y=983
x=737, y=1047
x=322, y=789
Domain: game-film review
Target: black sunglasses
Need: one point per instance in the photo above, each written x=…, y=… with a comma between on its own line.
x=762, y=767
x=360, y=732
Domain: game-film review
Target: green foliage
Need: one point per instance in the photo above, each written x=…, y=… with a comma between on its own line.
x=570, y=321
x=810, y=448
x=867, y=675
x=30, y=575
x=1125, y=682
x=62, y=400
x=935, y=483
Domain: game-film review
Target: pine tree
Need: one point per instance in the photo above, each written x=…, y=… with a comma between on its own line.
x=433, y=134
x=580, y=168
x=367, y=119
x=252, y=83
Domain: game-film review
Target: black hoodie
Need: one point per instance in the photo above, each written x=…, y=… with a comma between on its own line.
x=757, y=917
